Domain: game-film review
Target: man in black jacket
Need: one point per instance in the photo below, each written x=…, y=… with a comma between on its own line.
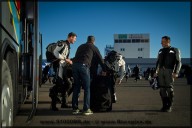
x=81, y=73
x=167, y=68
x=136, y=72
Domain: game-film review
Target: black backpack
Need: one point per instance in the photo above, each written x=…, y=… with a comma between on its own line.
x=112, y=56
x=110, y=59
x=49, y=51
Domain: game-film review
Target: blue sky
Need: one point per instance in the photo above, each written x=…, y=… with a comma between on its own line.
x=104, y=19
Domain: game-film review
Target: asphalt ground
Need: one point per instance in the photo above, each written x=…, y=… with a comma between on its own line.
x=138, y=105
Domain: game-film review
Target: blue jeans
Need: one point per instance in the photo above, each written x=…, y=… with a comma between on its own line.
x=81, y=76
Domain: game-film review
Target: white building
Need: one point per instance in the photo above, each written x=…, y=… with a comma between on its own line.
x=136, y=50
x=132, y=45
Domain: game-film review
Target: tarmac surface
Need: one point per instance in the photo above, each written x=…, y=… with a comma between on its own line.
x=138, y=105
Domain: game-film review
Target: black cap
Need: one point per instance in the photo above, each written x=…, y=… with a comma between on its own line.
x=91, y=39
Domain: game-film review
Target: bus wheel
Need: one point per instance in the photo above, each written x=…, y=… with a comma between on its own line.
x=6, y=96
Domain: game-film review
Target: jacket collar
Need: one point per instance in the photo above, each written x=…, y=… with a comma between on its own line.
x=67, y=42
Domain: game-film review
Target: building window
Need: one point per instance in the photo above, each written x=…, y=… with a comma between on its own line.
x=140, y=49
x=137, y=40
x=122, y=49
x=120, y=41
x=124, y=41
x=129, y=41
x=133, y=40
x=116, y=41
x=146, y=40
x=142, y=41
x=140, y=57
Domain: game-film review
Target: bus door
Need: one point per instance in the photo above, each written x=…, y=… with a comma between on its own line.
x=31, y=53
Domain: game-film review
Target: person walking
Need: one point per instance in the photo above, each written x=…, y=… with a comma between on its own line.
x=168, y=66
x=63, y=83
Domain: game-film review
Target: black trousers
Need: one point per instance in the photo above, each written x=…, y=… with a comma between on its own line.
x=166, y=82
x=166, y=85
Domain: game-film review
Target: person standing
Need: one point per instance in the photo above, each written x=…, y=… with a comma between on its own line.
x=126, y=76
x=136, y=72
x=121, y=64
x=148, y=74
x=62, y=52
x=188, y=74
x=168, y=66
x=46, y=74
x=128, y=73
x=152, y=72
x=81, y=73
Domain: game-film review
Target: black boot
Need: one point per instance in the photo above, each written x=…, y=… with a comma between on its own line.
x=166, y=105
x=54, y=99
x=53, y=104
x=169, y=104
x=164, y=102
x=64, y=103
